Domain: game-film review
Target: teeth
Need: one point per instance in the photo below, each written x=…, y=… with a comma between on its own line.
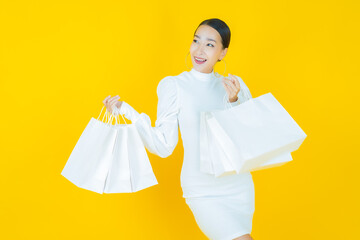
x=200, y=60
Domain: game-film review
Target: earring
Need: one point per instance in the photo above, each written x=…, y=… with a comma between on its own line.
x=225, y=66
x=186, y=61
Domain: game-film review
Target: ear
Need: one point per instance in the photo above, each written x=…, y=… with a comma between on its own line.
x=223, y=53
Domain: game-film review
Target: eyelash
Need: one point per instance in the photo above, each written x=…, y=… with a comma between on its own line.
x=209, y=43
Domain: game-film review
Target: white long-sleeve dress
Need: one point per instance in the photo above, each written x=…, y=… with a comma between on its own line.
x=223, y=207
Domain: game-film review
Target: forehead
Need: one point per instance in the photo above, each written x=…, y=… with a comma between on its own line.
x=205, y=31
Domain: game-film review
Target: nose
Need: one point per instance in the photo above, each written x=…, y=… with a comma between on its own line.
x=200, y=51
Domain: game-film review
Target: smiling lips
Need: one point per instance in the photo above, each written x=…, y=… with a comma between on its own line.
x=199, y=60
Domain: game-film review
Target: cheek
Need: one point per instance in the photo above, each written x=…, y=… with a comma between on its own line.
x=212, y=56
x=192, y=49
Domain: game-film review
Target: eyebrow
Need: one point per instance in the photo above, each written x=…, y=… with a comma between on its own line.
x=207, y=38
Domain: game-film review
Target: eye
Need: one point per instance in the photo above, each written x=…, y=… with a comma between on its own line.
x=208, y=44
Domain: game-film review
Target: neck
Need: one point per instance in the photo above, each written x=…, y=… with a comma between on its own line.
x=202, y=76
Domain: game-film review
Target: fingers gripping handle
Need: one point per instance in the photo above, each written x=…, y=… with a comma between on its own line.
x=227, y=104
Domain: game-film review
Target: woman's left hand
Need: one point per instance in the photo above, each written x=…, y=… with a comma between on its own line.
x=232, y=87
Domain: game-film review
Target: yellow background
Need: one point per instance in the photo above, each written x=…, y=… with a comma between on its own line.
x=60, y=59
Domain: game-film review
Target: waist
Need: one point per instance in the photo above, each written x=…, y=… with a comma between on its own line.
x=207, y=184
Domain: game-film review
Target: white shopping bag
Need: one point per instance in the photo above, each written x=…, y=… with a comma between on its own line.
x=254, y=135
x=211, y=153
x=130, y=170
x=109, y=158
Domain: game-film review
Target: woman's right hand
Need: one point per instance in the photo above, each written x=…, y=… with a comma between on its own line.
x=110, y=103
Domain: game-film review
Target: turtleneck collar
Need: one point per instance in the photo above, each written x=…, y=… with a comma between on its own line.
x=202, y=76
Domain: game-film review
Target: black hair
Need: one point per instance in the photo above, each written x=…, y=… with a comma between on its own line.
x=219, y=26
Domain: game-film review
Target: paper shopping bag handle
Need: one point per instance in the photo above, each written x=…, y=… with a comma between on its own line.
x=227, y=104
x=109, y=120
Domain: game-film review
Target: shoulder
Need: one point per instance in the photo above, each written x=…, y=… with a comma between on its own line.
x=167, y=86
x=171, y=82
x=166, y=83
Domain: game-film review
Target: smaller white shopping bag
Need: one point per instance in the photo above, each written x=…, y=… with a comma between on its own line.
x=89, y=161
x=257, y=134
x=100, y=160
x=130, y=170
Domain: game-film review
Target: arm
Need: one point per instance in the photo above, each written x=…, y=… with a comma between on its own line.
x=163, y=138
